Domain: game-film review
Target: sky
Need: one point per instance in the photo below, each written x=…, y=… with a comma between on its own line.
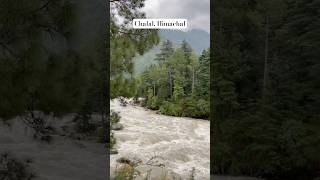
x=197, y=12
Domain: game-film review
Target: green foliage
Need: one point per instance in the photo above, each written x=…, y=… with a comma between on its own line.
x=15, y=169
x=171, y=109
x=166, y=51
x=264, y=93
x=40, y=69
x=114, y=117
x=113, y=140
x=202, y=109
x=123, y=87
x=102, y=134
x=203, y=85
x=153, y=103
x=125, y=44
x=84, y=124
x=178, y=92
x=178, y=85
x=187, y=108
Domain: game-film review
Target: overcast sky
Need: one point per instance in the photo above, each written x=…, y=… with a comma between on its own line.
x=197, y=12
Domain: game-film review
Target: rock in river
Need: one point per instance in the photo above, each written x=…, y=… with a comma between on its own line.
x=117, y=126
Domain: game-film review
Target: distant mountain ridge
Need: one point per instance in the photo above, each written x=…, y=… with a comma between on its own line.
x=197, y=38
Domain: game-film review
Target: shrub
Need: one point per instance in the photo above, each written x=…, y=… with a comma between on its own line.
x=112, y=140
x=83, y=124
x=13, y=169
x=37, y=122
x=102, y=133
x=203, y=108
x=170, y=109
x=114, y=117
x=187, y=108
x=165, y=108
x=153, y=103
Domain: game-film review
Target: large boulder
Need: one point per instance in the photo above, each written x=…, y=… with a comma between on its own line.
x=156, y=173
x=116, y=126
x=148, y=172
x=113, y=151
x=123, y=101
x=142, y=171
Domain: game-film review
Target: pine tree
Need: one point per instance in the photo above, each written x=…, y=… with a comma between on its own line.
x=166, y=51
x=204, y=75
x=263, y=93
x=126, y=42
x=185, y=98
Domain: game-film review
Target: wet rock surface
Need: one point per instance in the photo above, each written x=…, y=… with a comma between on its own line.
x=117, y=127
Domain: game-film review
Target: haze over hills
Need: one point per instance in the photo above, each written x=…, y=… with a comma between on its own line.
x=198, y=39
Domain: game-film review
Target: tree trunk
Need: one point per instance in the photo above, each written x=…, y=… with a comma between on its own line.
x=193, y=81
x=170, y=82
x=266, y=50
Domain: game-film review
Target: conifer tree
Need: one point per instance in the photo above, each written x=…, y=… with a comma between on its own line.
x=126, y=42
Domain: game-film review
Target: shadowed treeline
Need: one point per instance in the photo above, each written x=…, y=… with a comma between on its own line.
x=53, y=92
x=265, y=89
x=52, y=56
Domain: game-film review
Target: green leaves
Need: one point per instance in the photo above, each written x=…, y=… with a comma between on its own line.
x=179, y=84
x=41, y=67
x=263, y=89
x=126, y=43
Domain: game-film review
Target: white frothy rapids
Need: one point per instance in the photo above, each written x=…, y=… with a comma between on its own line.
x=184, y=143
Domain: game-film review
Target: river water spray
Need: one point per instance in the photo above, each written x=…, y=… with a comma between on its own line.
x=182, y=142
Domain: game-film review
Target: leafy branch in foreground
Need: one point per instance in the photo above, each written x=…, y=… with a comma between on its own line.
x=37, y=122
x=126, y=43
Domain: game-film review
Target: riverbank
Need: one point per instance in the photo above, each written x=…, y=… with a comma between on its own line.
x=64, y=158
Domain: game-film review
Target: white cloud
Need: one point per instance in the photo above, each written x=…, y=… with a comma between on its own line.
x=197, y=12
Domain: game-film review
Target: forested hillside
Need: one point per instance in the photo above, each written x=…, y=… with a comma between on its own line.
x=265, y=89
x=198, y=39
x=178, y=84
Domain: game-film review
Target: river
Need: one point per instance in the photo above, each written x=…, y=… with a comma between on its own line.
x=182, y=142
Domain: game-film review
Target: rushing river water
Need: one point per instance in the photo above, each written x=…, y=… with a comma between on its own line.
x=183, y=143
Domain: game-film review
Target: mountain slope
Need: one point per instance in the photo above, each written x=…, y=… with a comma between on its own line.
x=198, y=39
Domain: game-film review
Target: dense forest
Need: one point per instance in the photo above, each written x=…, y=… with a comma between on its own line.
x=53, y=92
x=43, y=63
x=178, y=84
x=265, y=81
x=198, y=39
